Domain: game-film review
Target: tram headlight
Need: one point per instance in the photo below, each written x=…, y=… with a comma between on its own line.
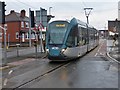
x=63, y=50
x=47, y=50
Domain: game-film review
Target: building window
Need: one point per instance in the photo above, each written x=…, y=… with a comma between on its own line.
x=22, y=24
x=17, y=35
x=26, y=36
x=32, y=36
x=23, y=37
x=27, y=25
x=5, y=26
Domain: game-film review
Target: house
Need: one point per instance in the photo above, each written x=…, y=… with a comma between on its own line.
x=113, y=26
x=17, y=25
x=0, y=37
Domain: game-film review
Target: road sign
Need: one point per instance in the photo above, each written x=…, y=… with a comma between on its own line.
x=41, y=17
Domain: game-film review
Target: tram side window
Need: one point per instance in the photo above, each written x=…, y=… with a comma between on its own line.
x=83, y=36
x=80, y=36
x=72, y=38
x=70, y=41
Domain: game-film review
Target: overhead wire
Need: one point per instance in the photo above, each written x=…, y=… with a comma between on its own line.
x=25, y=4
x=85, y=5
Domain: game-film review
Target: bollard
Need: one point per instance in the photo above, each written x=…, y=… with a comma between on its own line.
x=7, y=47
x=35, y=44
x=17, y=49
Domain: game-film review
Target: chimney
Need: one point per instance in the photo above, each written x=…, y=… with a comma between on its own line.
x=22, y=14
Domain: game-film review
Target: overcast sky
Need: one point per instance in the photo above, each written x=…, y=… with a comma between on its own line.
x=103, y=10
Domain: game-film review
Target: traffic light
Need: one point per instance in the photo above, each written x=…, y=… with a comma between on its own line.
x=32, y=19
x=2, y=12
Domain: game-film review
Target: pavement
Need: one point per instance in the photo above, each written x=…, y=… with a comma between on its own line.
x=113, y=51
x=26, y=55
x=13, y=62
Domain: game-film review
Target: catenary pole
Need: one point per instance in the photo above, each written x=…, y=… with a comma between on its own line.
x=30, y=27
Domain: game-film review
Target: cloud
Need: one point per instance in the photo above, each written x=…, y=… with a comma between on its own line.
x=100, y=19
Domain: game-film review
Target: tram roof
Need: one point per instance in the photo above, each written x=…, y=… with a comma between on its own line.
x=84, y=24
x=81, y=22
x=68, y=20
x=54, y=19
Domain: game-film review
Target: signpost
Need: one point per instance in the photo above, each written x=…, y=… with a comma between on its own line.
x=41, y=21
x=2, y=22
x=4, y=62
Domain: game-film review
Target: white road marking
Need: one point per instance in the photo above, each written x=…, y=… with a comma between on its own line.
x=96, y=54
x=5, y=82
x=10, y=72
x=99, y=49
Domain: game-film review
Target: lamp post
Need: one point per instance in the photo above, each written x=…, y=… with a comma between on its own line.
x=116, y=25
x=40, y=29
x=87, y=13
x=50, y=10
x=30, y=42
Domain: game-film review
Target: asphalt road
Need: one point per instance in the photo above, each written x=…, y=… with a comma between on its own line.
x=93, y=70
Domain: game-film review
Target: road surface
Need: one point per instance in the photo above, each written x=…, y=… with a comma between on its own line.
x=93, y=70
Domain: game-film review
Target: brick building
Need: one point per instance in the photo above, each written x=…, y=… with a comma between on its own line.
x=17, y=25
x=119, y=10
x=113, y=26
x=0, y=40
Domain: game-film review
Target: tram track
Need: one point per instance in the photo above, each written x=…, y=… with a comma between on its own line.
x=43, y=75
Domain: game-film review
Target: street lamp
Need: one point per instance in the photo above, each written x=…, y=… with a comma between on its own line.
x=116, y=25
x=87, y=13
x=50, y=10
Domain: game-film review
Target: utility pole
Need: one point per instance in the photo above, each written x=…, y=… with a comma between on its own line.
x=105, y=33
x=30, y=27
x=5, y=45
x=8, y=40
x=2, y=22
x=5, y=49
x=116, y=25
x=50, y=10
x=40, y=29
x=87, y=13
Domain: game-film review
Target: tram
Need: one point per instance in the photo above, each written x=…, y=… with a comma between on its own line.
x=66, y=40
